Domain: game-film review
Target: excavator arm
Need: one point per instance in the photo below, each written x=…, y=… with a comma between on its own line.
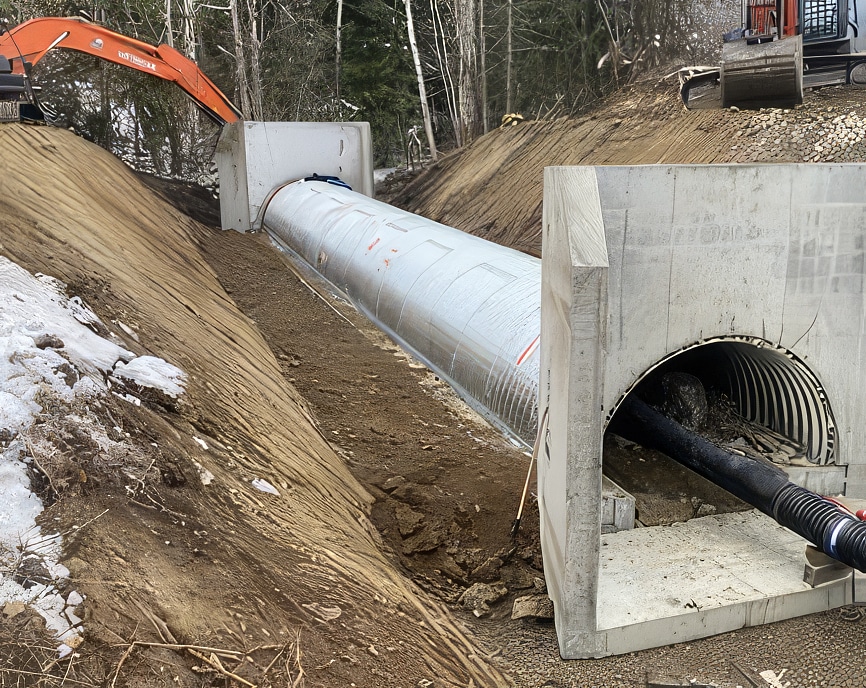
x=30, y=41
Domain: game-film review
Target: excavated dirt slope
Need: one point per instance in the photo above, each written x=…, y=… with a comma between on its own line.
x=494, y=188
x=278, y=585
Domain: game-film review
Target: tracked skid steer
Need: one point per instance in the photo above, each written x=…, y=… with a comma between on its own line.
x=782, y=47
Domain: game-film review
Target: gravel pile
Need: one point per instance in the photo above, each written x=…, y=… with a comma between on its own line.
x=709, y=22
x=832, y=134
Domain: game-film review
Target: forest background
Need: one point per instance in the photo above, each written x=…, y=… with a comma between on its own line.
x=444, y=70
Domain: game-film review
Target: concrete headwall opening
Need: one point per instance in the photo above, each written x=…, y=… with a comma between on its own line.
x=751, y=278
x=770, y=386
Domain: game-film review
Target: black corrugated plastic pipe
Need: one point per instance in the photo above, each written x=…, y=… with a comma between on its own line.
x=764, y=486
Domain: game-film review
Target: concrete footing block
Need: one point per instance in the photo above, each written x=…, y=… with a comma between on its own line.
x=821, y=569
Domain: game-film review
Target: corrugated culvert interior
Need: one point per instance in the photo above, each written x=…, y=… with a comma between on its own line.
x=743, y=394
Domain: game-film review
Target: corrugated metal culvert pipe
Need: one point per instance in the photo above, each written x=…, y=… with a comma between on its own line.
x=470, y=309
x=766, y=384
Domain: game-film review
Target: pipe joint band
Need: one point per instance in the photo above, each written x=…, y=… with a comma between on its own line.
x=832, y=537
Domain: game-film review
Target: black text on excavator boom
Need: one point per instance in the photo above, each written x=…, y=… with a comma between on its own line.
x=27, y=43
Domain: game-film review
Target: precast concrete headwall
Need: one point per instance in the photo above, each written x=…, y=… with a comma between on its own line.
x=749, y=277
x=254, y=158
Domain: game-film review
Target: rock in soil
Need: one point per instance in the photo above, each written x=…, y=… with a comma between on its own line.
x=480, y=596
x=532, y=606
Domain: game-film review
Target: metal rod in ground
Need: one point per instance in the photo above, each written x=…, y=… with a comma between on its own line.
x=541, y=429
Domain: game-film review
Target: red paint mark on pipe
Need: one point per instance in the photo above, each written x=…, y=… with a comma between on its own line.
x=370, y=247
x=529, y=350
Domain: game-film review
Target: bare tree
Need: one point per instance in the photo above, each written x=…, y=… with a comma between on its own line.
x=169, y=30
x=241, y=81
x=185, y=39
x=248, y=49
x=339, y=49
x=467, y=41
x=255, y=57
x=422, y=90
x=190, y=31
x=483, y=51
x=440, y=42
x=509, y=58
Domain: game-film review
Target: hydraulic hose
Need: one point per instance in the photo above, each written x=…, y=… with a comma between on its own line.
x=763, y=485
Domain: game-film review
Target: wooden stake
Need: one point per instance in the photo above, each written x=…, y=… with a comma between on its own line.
x=542, y=428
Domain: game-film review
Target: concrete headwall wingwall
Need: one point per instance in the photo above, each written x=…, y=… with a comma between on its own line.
x=254, y=158
x=763, y=266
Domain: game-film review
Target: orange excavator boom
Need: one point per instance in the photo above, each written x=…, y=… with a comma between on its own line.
x=30, y=41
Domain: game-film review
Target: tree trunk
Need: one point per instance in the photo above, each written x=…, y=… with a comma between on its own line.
x=168, y=28
x=467, y=41
x=255, y=75
x=242, y=85
x=445, y=69
x=509, y=99
x=422, y=90
x=485, y=115
x=339, y=48
x=190, y=31
x=189, y=46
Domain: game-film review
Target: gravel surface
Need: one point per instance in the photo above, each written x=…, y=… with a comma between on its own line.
x=818, y=650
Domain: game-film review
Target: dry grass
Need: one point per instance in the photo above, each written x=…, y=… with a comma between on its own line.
x=264, y=666
x=28, y=657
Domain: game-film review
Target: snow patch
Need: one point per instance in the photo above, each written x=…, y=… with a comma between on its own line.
x=153, y=372
x=127, y=329
x=50, y=351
